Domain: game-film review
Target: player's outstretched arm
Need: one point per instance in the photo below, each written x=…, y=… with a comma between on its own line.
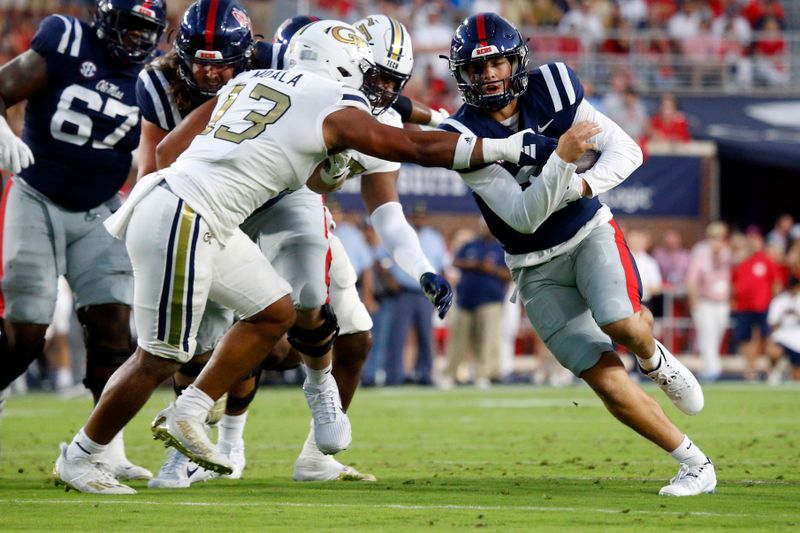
x=19, y=78
x=181, y=137
x=357, y=129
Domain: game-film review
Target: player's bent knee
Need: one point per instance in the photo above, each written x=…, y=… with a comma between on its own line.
x=626, y=331
x=351, y=350
x=312, y=295
x=318, y=341
x=278, y=315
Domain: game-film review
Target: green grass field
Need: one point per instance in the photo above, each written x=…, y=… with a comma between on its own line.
x=507, y=459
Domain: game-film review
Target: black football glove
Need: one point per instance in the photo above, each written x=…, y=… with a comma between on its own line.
x=438, y=291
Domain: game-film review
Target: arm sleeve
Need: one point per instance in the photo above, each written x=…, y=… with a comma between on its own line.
x=58, y=40
x=524, y=210
x=400, y=239
x=403, y=106
x=619, y=153
x=150, y=103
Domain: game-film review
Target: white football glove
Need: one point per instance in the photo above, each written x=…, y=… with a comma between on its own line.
x=14, y=154
x=437, y=117
x=335, y=168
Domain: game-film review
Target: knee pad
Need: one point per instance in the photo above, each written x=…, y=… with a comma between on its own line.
x=240, y=404
x=306, y=341
x=100, y=364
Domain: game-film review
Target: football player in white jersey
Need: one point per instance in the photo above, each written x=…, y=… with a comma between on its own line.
x=268, y=131
x=292, y=233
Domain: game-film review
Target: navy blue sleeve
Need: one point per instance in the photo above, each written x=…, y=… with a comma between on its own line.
x=144, y=99
x=560, y=91
x=58, y=39
x=403, y=105
x=269, y=55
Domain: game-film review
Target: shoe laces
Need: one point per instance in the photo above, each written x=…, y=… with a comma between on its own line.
x=670, y=378
x=688, y=474
x=325, y=405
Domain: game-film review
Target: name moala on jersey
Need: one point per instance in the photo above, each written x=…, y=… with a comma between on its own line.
x=110, y=89
x=279, y=75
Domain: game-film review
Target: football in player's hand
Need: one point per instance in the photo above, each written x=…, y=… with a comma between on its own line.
x=587, y=161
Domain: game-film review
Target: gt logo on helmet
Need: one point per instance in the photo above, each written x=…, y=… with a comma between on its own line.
x=347, y=36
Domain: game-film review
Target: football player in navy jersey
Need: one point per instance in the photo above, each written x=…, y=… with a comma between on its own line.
x=568, y=257
x=81, y=125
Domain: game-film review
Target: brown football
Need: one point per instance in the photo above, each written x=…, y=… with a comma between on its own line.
x=587, y=160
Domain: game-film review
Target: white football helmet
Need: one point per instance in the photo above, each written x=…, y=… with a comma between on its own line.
x=333, y=49
x=391, y=47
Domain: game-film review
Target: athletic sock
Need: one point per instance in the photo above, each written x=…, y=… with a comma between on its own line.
x=193, y=403
x=82, y=446
x=116, y=448
x=231, y=428
x=651, y=363
x=688, y=453
x=318, y=377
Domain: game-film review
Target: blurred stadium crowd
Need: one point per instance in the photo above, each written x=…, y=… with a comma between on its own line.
x=711, y=297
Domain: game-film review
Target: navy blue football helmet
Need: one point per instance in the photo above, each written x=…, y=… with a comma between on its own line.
x=213, y=32
x=131, y=28
x=479, y=38
x=290, y=26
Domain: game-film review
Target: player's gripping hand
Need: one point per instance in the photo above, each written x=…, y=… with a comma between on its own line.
x=577, y=140
x=524, y=148
x=14, y=154
x=336, y=168
x=438, y=291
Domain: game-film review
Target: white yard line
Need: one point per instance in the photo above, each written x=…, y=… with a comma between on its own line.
x=503, y=508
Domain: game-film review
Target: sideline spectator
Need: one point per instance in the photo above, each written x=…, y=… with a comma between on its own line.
x=770, y=61
x=755, y=281
x=784, y=341
x=632, y=117
x=673, y=259
x=781, y=234
x=708, y=286
x=669, y=124
x=477, y=321
x=583, y=22
x=413, y=310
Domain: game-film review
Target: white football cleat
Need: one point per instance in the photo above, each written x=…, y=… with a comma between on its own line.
x=313, y=465
x=85, y=475
x=235, y=453
x=189, y=437
x=116, y=462
x=677, y=382
x=331, y=425
x=692, y=481
x=178, y=472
